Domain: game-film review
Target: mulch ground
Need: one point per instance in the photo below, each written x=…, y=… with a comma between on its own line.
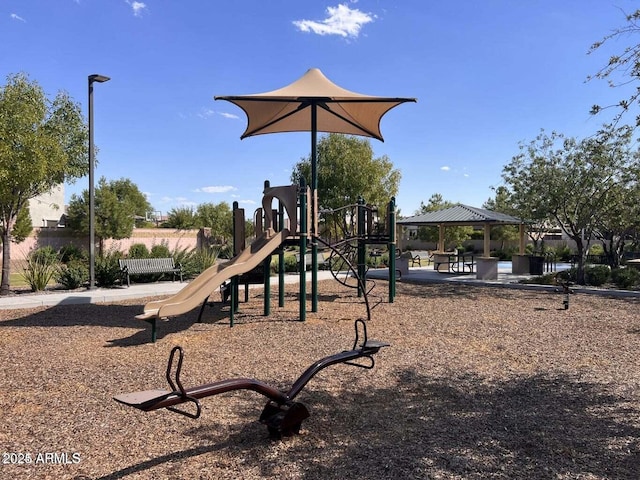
x=477, y=383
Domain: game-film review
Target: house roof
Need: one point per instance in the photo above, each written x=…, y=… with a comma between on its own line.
x=461, y=215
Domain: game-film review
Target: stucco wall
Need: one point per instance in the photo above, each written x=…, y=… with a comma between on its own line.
x=58, y=237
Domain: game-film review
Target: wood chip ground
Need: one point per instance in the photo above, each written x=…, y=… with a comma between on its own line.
x=477, y=383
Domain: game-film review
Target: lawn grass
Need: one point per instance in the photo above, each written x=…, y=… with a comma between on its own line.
x=16, y=279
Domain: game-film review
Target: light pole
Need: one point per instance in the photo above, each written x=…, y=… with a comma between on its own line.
x=92, y=220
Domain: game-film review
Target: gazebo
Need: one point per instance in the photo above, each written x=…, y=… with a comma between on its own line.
x=464, y=215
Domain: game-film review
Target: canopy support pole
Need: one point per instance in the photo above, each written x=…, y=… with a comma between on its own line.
x=314, y=207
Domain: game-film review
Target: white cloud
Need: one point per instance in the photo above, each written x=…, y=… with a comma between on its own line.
x=217, y=189
x=15, y=16
x=445, y=168
x=137, y=7
x=341, y=20
x=247, y=202
x=176, y=200
x=206, y=113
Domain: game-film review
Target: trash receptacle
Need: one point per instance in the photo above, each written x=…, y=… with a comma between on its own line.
x=536, y=265
x=402, y=266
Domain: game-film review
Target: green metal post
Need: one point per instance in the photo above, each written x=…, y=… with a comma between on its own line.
x=233, y=297
x=391, y=227
x=303, y=250
x=314, y=208
x=266, y=269
x=281, y=259
x=233, y=301
x=362, y=246
x=267, y=285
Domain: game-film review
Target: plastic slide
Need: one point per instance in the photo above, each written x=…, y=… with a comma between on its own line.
x=199, y=289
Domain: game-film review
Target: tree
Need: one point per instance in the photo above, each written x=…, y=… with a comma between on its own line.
x=117, y=204
x=181, y=218
x=453, y=236
x=43, y=143
x=348, y=170
x=502, y=203
x=621, y=220
x=574, y=183
x=127, y=191
x=23, y=226
x=627, y=63
x=217, y=217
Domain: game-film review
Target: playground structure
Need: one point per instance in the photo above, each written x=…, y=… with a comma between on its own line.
x=282, y=415
x=272, y=235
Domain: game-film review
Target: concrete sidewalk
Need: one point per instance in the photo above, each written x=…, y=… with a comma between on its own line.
x=415, y=275
x=106, y=295
x=506, y=279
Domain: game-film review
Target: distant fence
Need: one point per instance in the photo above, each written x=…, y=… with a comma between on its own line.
x=60, y=237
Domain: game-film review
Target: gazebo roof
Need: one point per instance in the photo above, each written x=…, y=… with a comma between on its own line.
x=462, y=215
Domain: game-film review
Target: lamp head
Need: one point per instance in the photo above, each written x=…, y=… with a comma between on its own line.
x=98, y=78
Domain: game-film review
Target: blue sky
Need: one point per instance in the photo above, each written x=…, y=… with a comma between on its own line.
x=487, y=75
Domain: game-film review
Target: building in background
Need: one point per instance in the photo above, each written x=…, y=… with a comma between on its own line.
x=48, y=210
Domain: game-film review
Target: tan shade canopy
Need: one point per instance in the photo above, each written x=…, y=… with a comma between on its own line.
x=338, y=110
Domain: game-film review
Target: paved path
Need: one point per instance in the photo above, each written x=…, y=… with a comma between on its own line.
x=141, y=290
x=104, y=295
x=505, y=280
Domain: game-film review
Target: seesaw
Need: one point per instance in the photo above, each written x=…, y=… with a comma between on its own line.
x=281, y=415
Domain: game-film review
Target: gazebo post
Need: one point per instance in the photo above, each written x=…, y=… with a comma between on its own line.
x=487, y=240
x=441, y=237
x=520, y=262
x=487, y=266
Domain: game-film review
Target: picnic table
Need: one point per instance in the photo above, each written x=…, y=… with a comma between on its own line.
x=452, y=262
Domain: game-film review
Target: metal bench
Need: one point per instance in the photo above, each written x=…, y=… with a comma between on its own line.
x=143, y=266
x=418, y=256
x=323, y=263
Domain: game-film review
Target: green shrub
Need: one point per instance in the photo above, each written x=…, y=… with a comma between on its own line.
x=625, y=277
x=469, y=248
x=546, y=279
x=597, y=275
x=44, y=255
x=40, y=268
x=195, y=261
x=563, y=253
x=73, y=274
x=107, y=269
x=160, y=251
x=71, y=252
x=138, y=250
x=207, y=257
x=503, y=255
x=570, y=275
x=186, y=258
x=225, y=251
x=290, y=263
x=596, y=249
